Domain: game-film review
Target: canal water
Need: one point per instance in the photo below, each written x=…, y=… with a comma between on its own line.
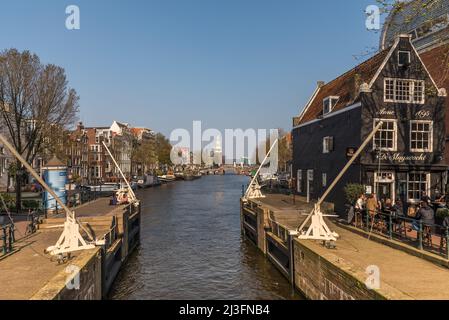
x=192, y=247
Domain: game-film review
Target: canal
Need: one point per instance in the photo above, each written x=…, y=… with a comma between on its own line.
x=192, y=247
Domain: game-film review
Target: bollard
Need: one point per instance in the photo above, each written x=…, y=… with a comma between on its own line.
x=367, y=222
x=390, y=226
x=420, y=245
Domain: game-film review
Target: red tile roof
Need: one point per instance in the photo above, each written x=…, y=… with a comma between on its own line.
x=437, y=63
x=345, y=86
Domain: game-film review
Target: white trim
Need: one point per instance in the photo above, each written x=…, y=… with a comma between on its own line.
x=331, y=106
x=309, y=103
x=411, y=90
x=409, y=57
x=390, y=53
x=345, y=109
x=430, y=122
x=392, y=183
x=326, y=149
x=425, y=67
x=395, y=136
x=428, y=184
x=382, y=66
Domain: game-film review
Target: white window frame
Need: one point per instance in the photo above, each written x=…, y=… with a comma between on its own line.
x=408, y=185
x=430, y=149
x=331, y=106
x=409, y=57
x=324, y=179
x=411, y=99
x=395, y=134
x=326, y=148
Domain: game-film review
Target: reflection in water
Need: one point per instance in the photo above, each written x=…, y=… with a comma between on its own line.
x=192, y=247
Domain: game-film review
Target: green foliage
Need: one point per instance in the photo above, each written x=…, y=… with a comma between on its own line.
x=9, y=201
x=353, y=191
x=163, y=149
x=442, y=213
x=30, y=204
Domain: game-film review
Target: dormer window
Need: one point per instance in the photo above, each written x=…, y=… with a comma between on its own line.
x=403, y=58
x=329, y=104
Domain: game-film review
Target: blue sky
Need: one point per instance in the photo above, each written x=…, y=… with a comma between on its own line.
x=162, y=64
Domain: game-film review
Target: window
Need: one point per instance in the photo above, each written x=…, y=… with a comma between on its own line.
x=324, y=176
x=421, y=136
x=328, y=144
x=386, y=138
x=329, y=103
x=403, y=58
x=404, y=91
x=97, y=171
x=418, y=184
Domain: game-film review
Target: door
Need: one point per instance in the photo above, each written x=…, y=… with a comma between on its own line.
x=384, y=186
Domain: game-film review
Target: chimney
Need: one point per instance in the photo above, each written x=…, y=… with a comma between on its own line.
x=80, y=126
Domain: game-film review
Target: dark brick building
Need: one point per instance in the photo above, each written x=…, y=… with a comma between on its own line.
x=406, y=157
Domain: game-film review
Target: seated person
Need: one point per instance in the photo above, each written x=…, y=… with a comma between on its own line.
x=425, y=214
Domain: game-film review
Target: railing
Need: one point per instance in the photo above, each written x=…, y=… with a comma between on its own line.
x=111, y=236
x=7, y=238
x=433, y=238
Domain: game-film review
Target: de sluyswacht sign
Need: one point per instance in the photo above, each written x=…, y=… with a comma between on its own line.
x=401, y=158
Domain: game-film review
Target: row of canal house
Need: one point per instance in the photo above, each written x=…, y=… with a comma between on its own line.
x=404, y=160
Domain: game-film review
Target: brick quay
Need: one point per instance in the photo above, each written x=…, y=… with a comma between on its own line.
x=28, y=273
x=405, y=273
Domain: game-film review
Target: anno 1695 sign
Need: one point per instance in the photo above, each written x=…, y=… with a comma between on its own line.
x=401, y=158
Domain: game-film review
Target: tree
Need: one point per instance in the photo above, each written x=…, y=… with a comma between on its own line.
x=34, y=98
x=144, y=154
x=163, y=149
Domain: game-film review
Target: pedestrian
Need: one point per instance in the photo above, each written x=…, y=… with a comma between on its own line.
x=372, y=205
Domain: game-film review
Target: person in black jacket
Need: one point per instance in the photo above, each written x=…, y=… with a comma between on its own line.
x=425, y=214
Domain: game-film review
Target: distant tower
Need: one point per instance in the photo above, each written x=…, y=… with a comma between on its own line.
x=218, y=152
x=428, y=27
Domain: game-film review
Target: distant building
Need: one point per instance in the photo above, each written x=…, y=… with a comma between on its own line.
x=143, y=136
x=428, y=25
x=78, y=154
x=404, y=160
x=218, y=152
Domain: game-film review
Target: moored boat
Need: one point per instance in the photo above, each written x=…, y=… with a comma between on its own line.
x=167, y=178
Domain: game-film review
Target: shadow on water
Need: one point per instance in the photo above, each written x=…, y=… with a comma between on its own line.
x=192, y=247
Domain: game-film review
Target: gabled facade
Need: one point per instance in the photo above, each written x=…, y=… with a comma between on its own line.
x=406, y=157
x=78, y=154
